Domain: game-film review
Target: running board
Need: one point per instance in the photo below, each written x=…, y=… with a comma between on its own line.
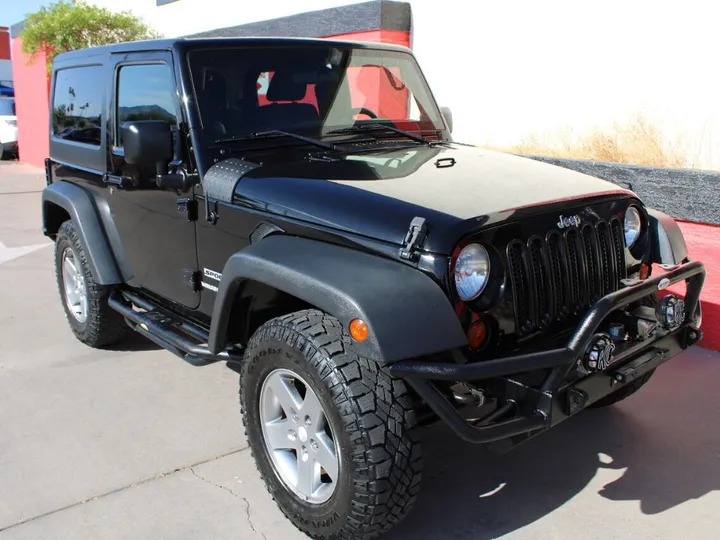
x=183, y=339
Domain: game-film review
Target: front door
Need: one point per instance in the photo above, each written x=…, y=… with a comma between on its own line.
x=157, y=238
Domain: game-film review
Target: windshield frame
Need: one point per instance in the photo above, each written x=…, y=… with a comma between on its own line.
x=194, y=109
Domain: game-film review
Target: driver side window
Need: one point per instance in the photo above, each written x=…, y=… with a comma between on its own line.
x=144, y=92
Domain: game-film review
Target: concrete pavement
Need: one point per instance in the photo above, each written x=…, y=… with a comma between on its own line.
x=134, y=444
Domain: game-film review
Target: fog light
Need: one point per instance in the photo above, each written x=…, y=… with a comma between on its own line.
x=599, y=354
x=671, y=312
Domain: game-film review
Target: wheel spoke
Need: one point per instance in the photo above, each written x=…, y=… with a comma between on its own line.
x=72, y=269
x=72, y=296
x=308, y=478
x=278, y=435
x=286, y=394
x=74, y=284
x=325, y=455
x=312, y=409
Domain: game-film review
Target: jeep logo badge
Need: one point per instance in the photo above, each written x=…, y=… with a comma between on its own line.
x=569, y=221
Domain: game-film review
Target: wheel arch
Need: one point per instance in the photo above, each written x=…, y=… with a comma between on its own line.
x=667, y=240
x=407, y=313
x=62, y=201
x=256, y=303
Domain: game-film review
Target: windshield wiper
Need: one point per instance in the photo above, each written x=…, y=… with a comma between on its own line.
x=277, y=133
x=377, y=126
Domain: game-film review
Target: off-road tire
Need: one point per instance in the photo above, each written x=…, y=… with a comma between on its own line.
x=103, y=325
x=369, y=411
x=624, y=392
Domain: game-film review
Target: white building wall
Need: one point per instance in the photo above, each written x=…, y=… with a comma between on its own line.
x=512, y=68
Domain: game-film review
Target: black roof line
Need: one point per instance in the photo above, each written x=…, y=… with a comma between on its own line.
x=167, y=44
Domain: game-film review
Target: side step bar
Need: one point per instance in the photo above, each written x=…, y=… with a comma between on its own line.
x=183, y=339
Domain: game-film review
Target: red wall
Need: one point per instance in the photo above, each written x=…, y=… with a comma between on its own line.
x=32, y=91
x=396, y=37
x=4, y=43
x=374, y=85
x=703, y=246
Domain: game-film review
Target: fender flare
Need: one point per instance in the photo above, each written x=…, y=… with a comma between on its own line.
x=667, y=240
x=79, y=205
x=407, y=313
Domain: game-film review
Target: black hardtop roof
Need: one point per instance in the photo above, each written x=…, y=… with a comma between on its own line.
x=171, y=43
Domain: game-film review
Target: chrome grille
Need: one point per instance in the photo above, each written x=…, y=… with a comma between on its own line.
x=560, y=275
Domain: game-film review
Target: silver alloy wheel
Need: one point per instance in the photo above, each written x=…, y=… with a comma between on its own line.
x=74, y=284
x=298, y=437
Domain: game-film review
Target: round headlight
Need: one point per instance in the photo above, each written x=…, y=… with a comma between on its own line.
x=633, y=226
x=472, y=270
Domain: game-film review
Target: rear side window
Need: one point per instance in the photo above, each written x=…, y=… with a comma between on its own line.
x=77, y=104
x=145, y=92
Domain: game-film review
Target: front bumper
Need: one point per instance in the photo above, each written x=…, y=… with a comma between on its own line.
x=533, y=410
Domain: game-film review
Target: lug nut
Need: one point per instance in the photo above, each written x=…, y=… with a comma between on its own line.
x=313, y=444
x=304, y=454
x=292, y=435
x=308, y=421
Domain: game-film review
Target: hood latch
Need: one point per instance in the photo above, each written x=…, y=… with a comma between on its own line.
x=414, y=239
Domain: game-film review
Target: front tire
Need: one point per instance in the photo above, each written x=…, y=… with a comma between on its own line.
x=85, y=302
x=331, y=432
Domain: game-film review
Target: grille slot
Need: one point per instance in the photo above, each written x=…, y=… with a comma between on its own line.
x=560, y=272
x=521, y=285
x=618, y=242
x=592, y=279
x=607, y=261
x=559, y=276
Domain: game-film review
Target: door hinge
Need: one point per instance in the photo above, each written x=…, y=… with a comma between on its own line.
x=48, y=171
x=414, y=239
x=192, y=279
x=211, y=212
x=189, y=206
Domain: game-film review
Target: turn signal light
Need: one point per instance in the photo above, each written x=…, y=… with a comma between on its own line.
x=644, y=271
x=359, y=330
x=477, y=334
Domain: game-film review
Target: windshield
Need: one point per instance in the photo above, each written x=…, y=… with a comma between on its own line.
x=7, y=107
x=313, y=90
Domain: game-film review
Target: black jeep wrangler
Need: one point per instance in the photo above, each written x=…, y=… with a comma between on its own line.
x=298, y=209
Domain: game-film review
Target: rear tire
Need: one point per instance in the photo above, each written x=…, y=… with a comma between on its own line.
x=624, y=392
x=368, y=419
x=85, y=302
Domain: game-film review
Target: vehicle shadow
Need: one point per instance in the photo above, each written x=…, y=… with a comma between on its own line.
x=134, y=342
x=663, y=443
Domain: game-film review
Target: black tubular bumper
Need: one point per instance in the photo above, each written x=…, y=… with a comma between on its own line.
x=539, y=408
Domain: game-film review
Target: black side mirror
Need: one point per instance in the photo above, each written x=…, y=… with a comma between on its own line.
x=447, y=114
x=148, y=143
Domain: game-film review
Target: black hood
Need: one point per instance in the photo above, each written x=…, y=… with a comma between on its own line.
x=376, y=194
